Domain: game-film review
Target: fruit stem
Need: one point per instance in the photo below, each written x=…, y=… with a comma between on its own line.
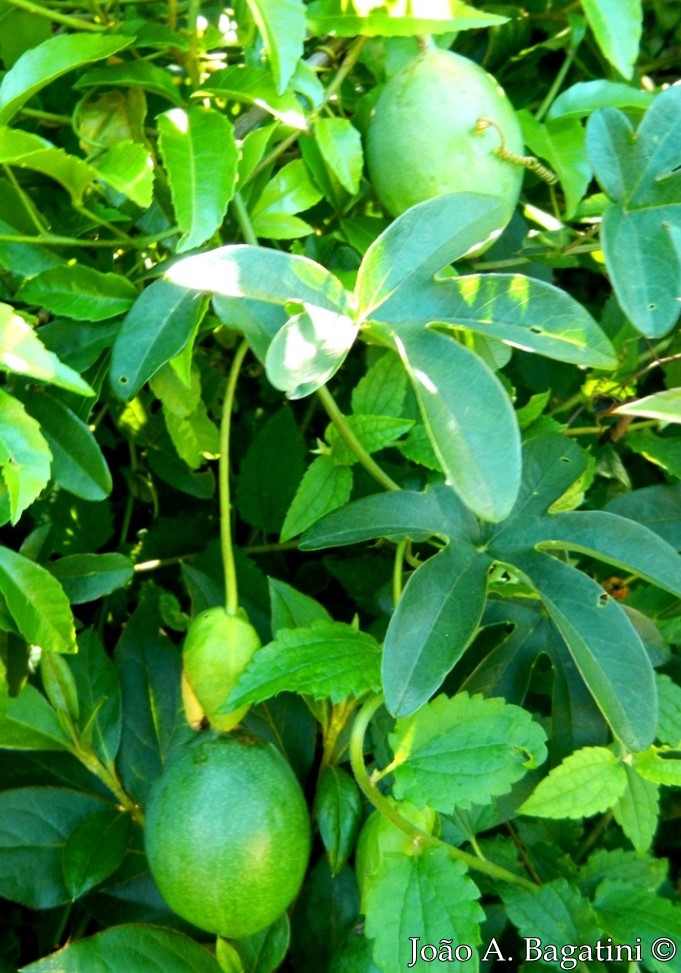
x=383, y=805
x=226, y=545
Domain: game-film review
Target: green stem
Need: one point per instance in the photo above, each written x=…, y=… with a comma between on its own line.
x=556, y=86
x=382, y=804
x=32, y=212
x=227, y=547
x=398, y=566
x=46, y=116
x=352, y=442
x=192, y=62
x=54, y=240
x=244, y=220
x=56, y=17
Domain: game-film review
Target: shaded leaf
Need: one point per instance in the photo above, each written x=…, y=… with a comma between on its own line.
x=87, y=577
x=324, y=487
x=28, y=722
x=270, y=472
x=81, y=293
x=338, y=809
x=622, y=907
x=638, y=809
x=95, y=849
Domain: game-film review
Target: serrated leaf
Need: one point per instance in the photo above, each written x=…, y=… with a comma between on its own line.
x=87, y=577
x=40, y=65
x=623, y=865
x=95, y=849
x=255, y=86
x=309, y=350
x=200, y=155
x=470, y=421
x=37, y=603
x=421, y=242
x=425, y=896
x=638, y=809
x=22, y=352
x=31, y=152
x=374, y=432
x=293, y=609
x=155, y=329
x=463, y=751
x=324, y=487
x=341, y=147
x=35, y=823
x=382, y=390
x=260, y=274
x=669, y=711
x=660, y=765
x=270, y=472
x=418, y=17
x=77, y=461
x=617, y=26
x=131, y=947
x=25, y=457
x=587, y=782
x=282, y=27
x=400, y=514
x=327, y=660
x=288, y=192
x=435, y=620
x=128, y=168
x=81, y=293
x=555, y=914
x=624, y=909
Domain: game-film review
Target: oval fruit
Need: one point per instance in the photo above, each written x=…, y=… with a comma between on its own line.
x=227, y=834
x=217, y=649
x=422, y=139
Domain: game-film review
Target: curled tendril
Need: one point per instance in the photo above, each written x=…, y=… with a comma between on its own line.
x=526, y=161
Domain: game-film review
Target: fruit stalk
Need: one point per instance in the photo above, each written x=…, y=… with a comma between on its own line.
x=226, y=545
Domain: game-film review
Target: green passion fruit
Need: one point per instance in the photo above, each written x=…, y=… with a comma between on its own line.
x=438, y=127
x=227, y=834
x=217, y=649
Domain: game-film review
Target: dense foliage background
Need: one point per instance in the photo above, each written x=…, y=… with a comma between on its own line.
x=456, y=488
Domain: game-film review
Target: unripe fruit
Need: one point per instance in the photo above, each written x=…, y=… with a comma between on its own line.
x=425, y=136
x=217, y=649
x=227, y=834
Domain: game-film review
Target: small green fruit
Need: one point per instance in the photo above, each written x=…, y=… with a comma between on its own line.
x=217, y=649
x=227, y=834
x=425, y=136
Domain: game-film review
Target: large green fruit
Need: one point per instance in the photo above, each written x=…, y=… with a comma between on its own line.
x=227, y=834
x=217, y=649
x=425, y=137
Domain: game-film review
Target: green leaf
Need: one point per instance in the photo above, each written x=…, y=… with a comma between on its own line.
x=260, y=274
x=87, y=577
x=77, y=461
x=99, y=696
x=604, y=645
x=660, y=765
x=419, y=243
x=131, y=74
x=638, y=171
x=338, y=809
x=31, y=152
x=37, y=603
x=60, y=687
x=25, y=259
x=587, y=782
x=435, y=619
x=42, y=64
x=424, y=896
x=470, y=421
x=341, y=148
x=200, y=155
x=293, y=609
x=623, y=909
x=665, y=406
x=554, y=914
x=623, y=865
x=584, y=97
x=95, y=849
x=327, y=660
x=381, y=392
x=270, y=472
x=128, y=168
x=79, y=292
x=324, y=487
x=562, y=142
x=155, y=329
x=617, y=26
x=25, y=457
x=309, y=350
x=420, y=17
x=524, y=313
x=22, y=352
x=669, y=702
x=463, y=751
x=656, y=507
x=35, y=824
x=28, y=722
x=265, y=951
x=130, y=947
x=195, y=436
x=373, y=432
x=255, y=86
x=290, y=191
x=638, y=810
x=282, y=27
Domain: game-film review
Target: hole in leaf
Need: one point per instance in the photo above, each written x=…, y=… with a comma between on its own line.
x=603, y=599
x=565, y=459
x=536, y=330
x=652, y=307
x=123, y=380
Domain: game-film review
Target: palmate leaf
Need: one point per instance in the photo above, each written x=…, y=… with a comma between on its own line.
x=327, y=660
x=463, y=751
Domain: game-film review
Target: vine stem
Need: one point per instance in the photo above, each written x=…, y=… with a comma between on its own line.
x=56, y=17
x=226, y=545
x=383, y=805
x=351, y=440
